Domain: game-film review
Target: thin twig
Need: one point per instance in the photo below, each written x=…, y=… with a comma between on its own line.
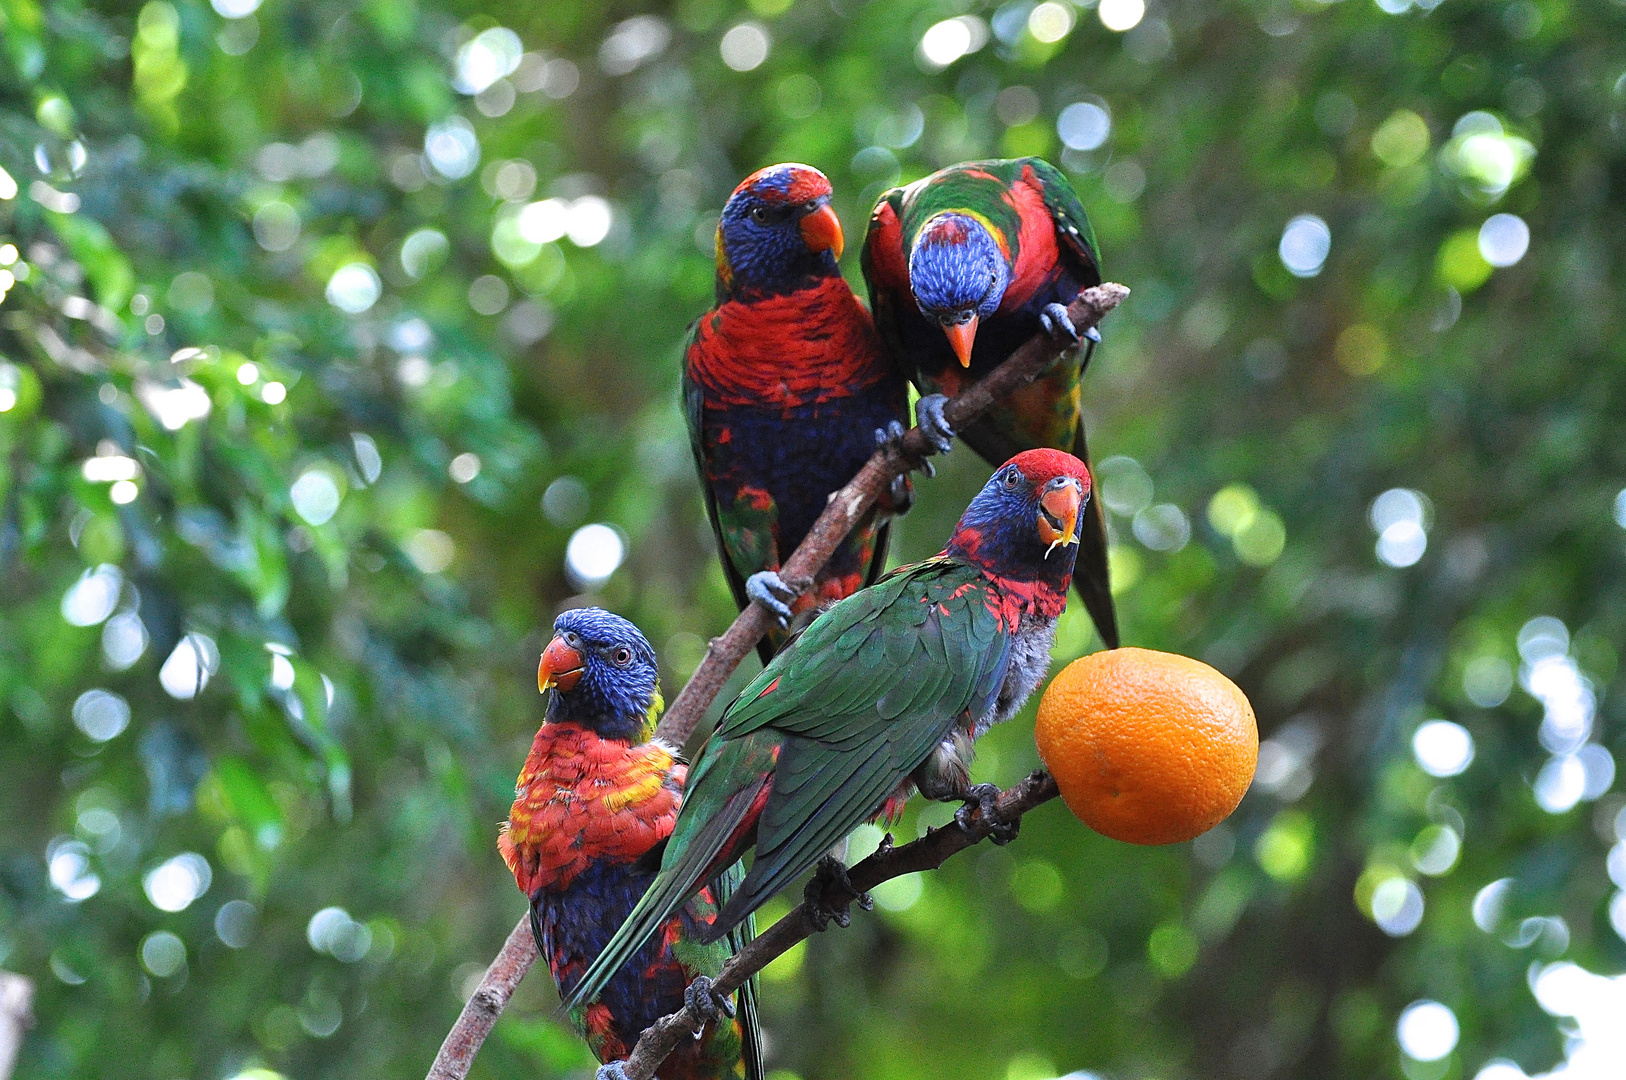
x=723, y=655
x=485, y=1005
x=927, y=853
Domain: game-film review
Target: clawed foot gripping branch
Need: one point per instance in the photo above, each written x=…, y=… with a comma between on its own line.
x=845, y=509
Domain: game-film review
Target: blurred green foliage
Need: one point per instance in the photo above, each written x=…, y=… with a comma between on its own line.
x=326, y=328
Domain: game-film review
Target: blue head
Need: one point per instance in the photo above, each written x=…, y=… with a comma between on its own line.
x=958, y=273
x=1024, y=524
x=777, y=232
x=603, y=675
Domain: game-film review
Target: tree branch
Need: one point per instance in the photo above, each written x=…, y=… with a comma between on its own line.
x=888, y=862
x=486, y=1004
x=723, y=655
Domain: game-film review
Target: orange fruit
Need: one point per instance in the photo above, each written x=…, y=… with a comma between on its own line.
x=1147, y=747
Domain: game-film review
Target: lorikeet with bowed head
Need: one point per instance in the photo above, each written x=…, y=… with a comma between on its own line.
x=964, y=266
x=883, y=693
x=787, y=389
x=594, y=796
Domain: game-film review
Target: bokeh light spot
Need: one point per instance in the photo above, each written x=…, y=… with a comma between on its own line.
x=1306, y=242
x=174, y=884
x=1121, y=15
x=594, y=553
x=1503, y=239
x=1427, y=1030
x=745, y=47
x=1443, y=748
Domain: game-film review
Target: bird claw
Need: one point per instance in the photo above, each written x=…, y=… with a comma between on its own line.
x=821, y=909
x=929, y=415
x=1058, y=323
x=706, y=1002
x=613, y=1070
x=982, y=797
x=767, y=588
x=891, y=435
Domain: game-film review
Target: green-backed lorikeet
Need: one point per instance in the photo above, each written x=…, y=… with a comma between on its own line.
x=787, y=389
x=883, y=693
x=964, y=266
x=594, y=797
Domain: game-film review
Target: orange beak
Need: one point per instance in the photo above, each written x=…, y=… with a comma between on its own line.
x=1058, y=515
x=821, y=231
x=961, y=336
x=561, y=666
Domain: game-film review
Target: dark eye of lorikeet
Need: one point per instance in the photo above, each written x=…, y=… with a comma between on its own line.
x=621, y=657
x=1012, y=478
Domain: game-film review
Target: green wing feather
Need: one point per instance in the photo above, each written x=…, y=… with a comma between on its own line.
x=843, y=727
x=861, y=701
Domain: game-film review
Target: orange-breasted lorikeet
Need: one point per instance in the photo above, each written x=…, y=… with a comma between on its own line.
x=787, y=389
x=883, y=693
x=594, y=797
x=964, y=266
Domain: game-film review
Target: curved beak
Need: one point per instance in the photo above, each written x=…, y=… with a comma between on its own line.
x=1058, y=514
x=561, y=666
x=961, y=336
x=821, y=231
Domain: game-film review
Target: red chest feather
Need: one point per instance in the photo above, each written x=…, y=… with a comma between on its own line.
x=787, y=351
x=581, y=799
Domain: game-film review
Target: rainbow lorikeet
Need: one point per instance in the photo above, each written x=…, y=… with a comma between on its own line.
x=964, y=266
x=885, y=692
x=787, y=391
x=594, y=797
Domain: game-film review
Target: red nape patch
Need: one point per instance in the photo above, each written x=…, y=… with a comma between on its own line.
x=943, y=230
x=787, y=183
x=1045, y=464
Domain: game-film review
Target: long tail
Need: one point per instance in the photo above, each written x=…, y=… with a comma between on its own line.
x=738, y=938
x=685, y=869
x=1090, y=577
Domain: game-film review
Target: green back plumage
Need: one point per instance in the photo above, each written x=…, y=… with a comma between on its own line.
x=980, y=188
x=836, y=723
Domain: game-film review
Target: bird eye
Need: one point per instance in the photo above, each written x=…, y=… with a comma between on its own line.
x=761, y=215
x=622, y=657
x=571, y=639
x=1011, y=478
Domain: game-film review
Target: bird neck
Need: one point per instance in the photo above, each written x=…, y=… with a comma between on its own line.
x=624, y=721
x=1028, y=578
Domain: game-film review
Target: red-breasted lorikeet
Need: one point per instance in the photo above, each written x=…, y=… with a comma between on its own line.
x=594, y=797
x=964, y=266
x=787, y=389
x=883, y=693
